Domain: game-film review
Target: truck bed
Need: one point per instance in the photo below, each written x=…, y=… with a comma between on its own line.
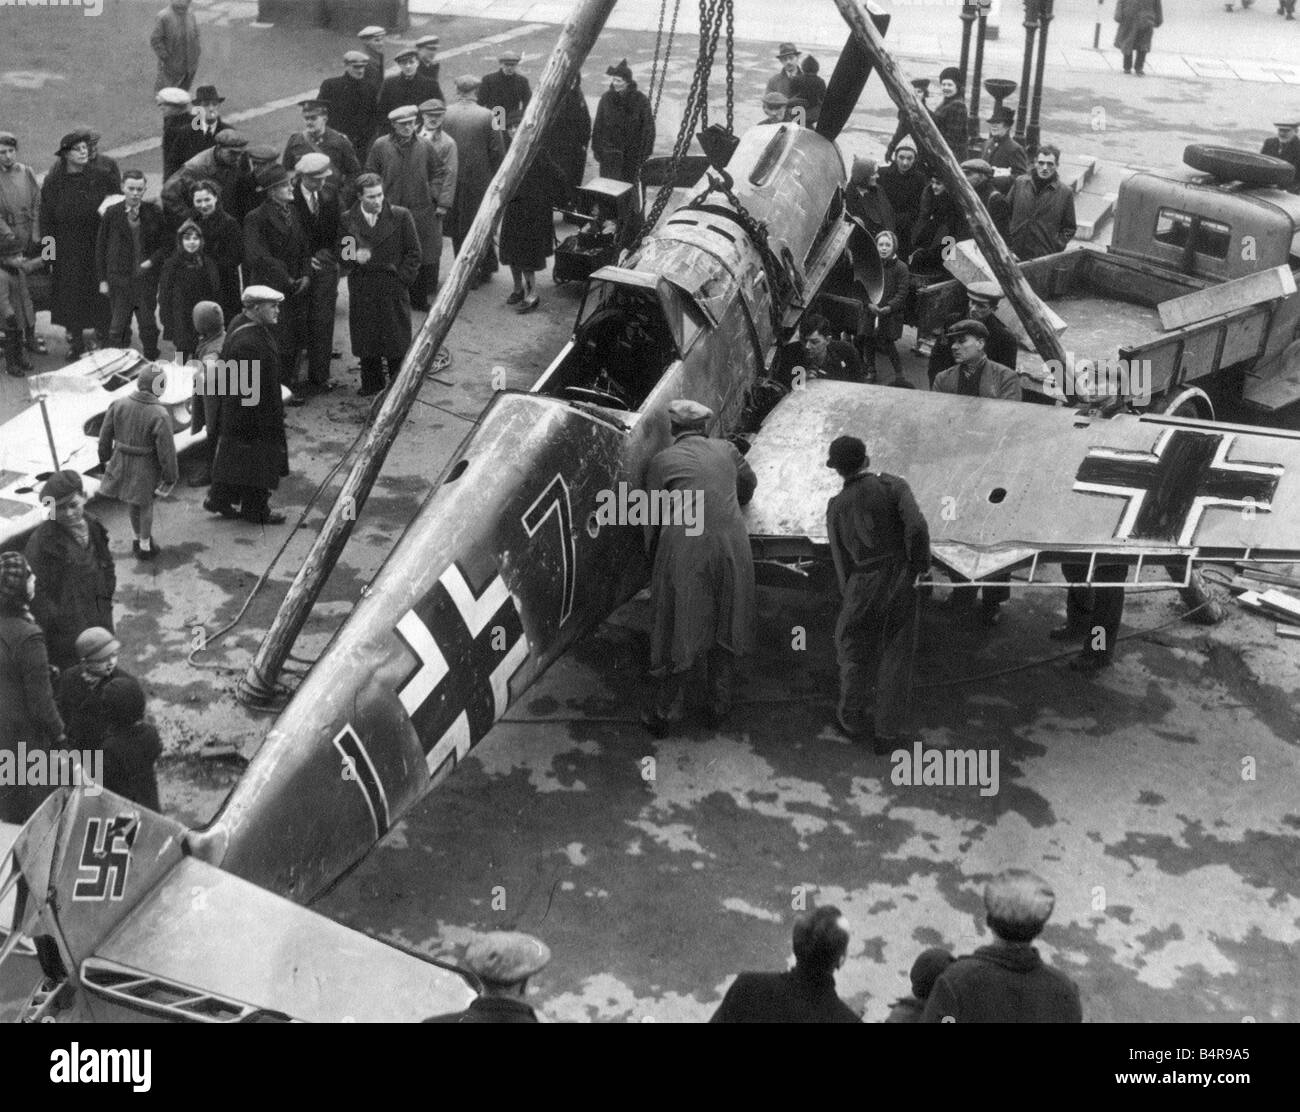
x=1098, y=326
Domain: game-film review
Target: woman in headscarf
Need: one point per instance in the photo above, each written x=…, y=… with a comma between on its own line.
x=30, y=721
x=70, y=212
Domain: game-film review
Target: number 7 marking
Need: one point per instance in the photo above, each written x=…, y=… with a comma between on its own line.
x=555, y=500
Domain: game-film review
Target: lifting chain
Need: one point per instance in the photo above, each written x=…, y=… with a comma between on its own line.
x=731, y=65
x=656, y=93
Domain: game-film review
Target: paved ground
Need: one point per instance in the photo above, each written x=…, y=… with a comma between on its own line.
x=1159, y=801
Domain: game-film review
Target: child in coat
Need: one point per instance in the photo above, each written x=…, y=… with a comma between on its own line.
x=131, y=745
x=137, y=445
x=188, y=277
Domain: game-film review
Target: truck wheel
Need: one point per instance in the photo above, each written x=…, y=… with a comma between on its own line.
x=1188, y=402
x=1229, y=164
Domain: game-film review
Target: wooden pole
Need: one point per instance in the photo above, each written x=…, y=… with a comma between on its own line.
x=1005, y=268
x=576, y=40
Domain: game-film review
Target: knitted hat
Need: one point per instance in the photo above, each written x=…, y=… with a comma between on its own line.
x=150, y=380
x=61, y=485
x=208, y=318
x=122, y=701
x=14, y=572
x=863, y=168
x=96, y=643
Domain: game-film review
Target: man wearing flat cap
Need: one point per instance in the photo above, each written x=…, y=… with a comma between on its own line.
x=1006, y=981
x=879, y=543
x=316, y=203
x=503, y=961
x=506, y=92
x=75, y=576
x=1286, y=146
x=225, y=163
x=252, y=452
x=20, y=206
x=623, y=135
x=702, y=582
x=317, y=137
x=783, y=82
x=406, y=87
x=974, y=374
x=178, y=120
x=774, y=108
x=418, y=177
x=951, y=116
x=372, y=45
x=479, y=151
x=427, y=48
x=175, y=40
x=981, y=305
x=278, y=254
x=979, y=173
x=352, y=100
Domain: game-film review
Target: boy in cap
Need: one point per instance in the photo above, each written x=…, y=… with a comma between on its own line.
x=880, y=544
x=81, y=686
x=925, y=972
x=136, y=444
x=507, y=90
x=951, y=117
x=783, y=82
x=1007, y=982
x=352, y=99
x=131, y=745
x=503, y=961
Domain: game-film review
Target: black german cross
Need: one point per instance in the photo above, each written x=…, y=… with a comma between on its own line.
x=1184, y=472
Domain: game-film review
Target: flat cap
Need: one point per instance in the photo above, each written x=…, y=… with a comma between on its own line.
x=62, y=484
x=428, y=40
x=370, y=32
x=786, y=49
x=433, y=104
x=509, y=56
x=467, y=83
x=271, y=175
x=356, y=57
x=506, y=957
x=984, y=291
x=846, y=452
x=96, y=643
x=172, y=98
x=1293, y=127
x=8, y=139
x=313, y=163
x=405, y=112
x=1019, y=896
x=775, y=100
x=254, y=295
x=406, y=52
x=312, y=106
x=263, y=152
x=979, y=165
x=967, y=328
x=235, y=140
x=685, y=412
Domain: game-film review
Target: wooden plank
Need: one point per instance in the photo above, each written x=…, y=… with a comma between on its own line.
x=1240, y=293
x=1284, y=604
x=1291, y=632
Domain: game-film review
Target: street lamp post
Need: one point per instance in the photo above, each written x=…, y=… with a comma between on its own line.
x=967, y=20
x=981, y=31
x=1033, y=131
x=1026, y=73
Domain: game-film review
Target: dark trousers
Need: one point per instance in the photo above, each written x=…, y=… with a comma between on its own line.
x=1095, y=612
x=489, y=264
x=716, y=670
x=138, y=296
x=871, y=346
x=252, y=502
x=874, y=645
x=992, y=592
x=372, y=371
x=425, y=285
x=322, y=296
x=291, y=334
x=1128, y=60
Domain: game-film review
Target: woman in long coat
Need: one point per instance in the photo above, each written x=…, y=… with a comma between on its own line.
x=31, y=717
x=1137, y=21
x=528, y=228
x=137, y=445
x=568, y=138
x=623, y=136
x=70, y=213
x=223, y=242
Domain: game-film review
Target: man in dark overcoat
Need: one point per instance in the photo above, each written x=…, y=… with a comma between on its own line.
x=252, y=452
x=316, y=203
x=352, y=99
x=427, y=47
x=380, y=252
x=702, y=583
x=569, y=136
x=1137, y=21
x=407, y=87
x=479, y=150
x=317, y=137
x=205, y=124
x=1042, y=209
x=132, y=245
x=277, y=254
x=175, y=40
x=224, y=162
x=623, y=136
x=508, y=90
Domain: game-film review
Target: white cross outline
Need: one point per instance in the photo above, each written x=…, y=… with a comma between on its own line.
x=1137, y=496
x=380, y=827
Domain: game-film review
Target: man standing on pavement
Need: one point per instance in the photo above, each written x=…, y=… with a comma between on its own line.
x=316, y=202
x=479, y=150
x=177, y=123
x=427, y=46
x=1286, y=146
x=503, y=961
x=702, y=582
x=204, y=124
x=783, y=82
x=276, y=254
x=317, y=137
x=1042, y=209
x=1007, y=982
x=403, y=88
x=175, y=40
x=623, y=136
x=380, y=252
x=20, y=207
x=352, y=99
x=1000, y=150
x=432, y=114
x=507, y=90
x=804, y=994
x=130, y=249
x=252, y=452
x=880, y=543
x=417, y=179
x=372, y=45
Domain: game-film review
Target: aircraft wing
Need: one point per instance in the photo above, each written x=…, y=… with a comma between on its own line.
x=1001, y=482
x=149, y=932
